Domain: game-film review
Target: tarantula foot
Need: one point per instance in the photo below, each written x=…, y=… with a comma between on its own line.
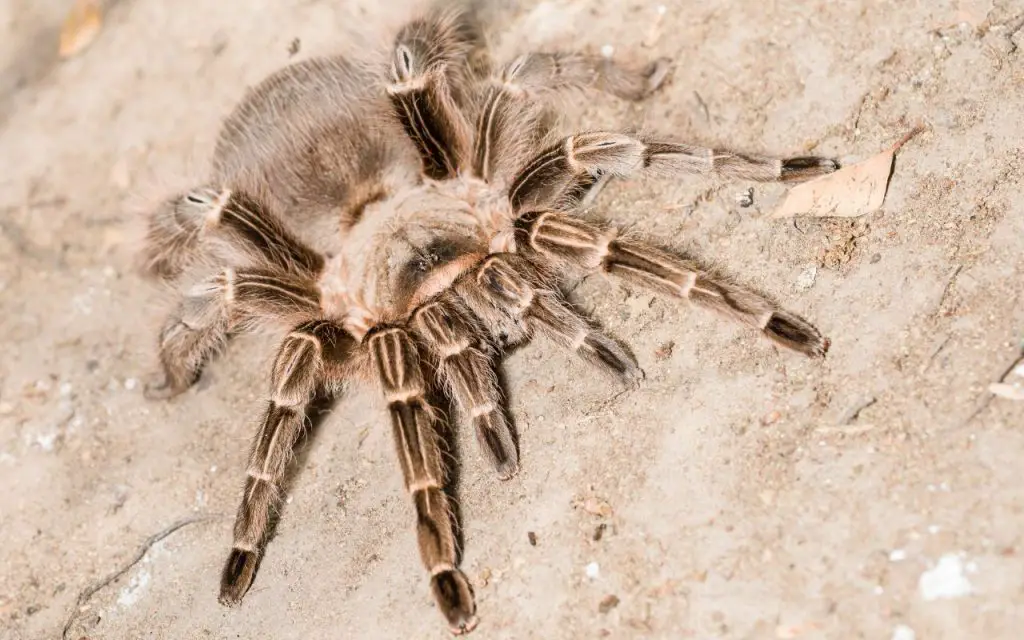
x=455, y=597
x=793, y=333
x=159, y=386
x=507, y=470
x=656, y=73
x=634, y=379
x=238, y=573
x=805, y=168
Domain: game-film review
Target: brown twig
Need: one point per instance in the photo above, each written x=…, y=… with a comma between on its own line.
x=913, y=133
x=90, y=591
x=987, y=397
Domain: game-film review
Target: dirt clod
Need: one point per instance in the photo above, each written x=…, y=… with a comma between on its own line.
x=608, y=603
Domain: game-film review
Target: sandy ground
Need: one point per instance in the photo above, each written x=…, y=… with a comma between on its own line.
x=736, y=494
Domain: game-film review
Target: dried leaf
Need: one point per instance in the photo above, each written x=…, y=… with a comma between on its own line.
x=597, y=507
x=81, y=27
x=850, y=192
x=973, y=12
x=1008, y=391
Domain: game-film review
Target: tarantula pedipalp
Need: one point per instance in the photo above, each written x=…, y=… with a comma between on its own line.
x=407, y=226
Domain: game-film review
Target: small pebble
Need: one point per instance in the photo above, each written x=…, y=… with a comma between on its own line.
x=597, y=507
x=599, y=532
x=945, y=580
x=66, y=388
x=532, y=537
x=806, y=279
x=131, y=383
x=608, y=603
x=593, y=570
x=897, y=555
x=664, y=351
x=607, y=51
x=903, y=632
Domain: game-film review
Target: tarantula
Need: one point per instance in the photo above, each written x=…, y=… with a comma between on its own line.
x=408, y=222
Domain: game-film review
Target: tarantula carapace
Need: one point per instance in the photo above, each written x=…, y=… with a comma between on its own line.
x=408, y=224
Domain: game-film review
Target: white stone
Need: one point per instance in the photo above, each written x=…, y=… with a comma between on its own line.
x=806, y=279
x=945, y=580
x=903, y=632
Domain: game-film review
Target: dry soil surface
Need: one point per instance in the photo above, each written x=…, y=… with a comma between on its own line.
x=740, y=492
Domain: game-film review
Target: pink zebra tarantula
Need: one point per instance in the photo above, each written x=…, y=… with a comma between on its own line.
x=407, y=222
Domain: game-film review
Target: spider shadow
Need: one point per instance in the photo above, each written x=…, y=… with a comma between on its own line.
x=317, y=413
x=451, y=456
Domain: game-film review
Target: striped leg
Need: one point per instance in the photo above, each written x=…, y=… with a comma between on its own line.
x=570, y=243
x=230, y=225
x=427, y=69
x=513, y=300
x=229, y=301
x=306, y=361
x=466, y=368
x=558, y=176
x=396, y=363
x=510, y=121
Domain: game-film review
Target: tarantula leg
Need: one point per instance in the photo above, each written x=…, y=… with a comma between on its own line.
x=553, y=177
x=230, y=224
x=426, y=61
x=303, y=364
x=556, y=319
x=544, y=72
x=572, y=244
x=396, y=361
x=466, y=367
x=514, y=300
x=510, y=120
x=231, y=300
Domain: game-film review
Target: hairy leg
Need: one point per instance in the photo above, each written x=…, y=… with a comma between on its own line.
x=428, y=77
x=570, y=244
x=305, y=362
x=514, y=300
x=465, y=365
x=229, y=225
x=558, y=176
x=396, y=363
x=511, y=120
x=229, y=301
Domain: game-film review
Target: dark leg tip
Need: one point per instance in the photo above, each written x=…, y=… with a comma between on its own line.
x=159, y=386
x=454, y=596
x=237, y=577
x=793, y=333
x=507, y=470
x=805, y=168
x=657, y=73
